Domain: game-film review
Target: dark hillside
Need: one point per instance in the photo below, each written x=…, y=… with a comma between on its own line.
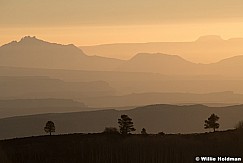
x=97, y=148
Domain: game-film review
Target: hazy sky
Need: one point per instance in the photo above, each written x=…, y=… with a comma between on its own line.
x=85, y=22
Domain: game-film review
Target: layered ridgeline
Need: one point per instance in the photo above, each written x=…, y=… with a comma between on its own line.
x=59, y=101
x=154, y=118
x=31, y=52
x=36, y=69
x=206, y=49
x=175, y=65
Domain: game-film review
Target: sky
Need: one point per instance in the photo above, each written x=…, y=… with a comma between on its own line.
x=90, y=22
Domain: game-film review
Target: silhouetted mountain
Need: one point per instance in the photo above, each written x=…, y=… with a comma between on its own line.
x=155, y=118
x=207, y=49
x=32, y=52
x=138, y=75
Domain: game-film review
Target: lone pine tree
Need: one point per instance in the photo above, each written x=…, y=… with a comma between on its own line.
x=212, y=122
x=125, y=125
x=50, y=127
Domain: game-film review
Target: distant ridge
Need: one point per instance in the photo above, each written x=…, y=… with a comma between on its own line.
x=210, y=38
x=158, y=63
x=205, y=49
x=155, y=56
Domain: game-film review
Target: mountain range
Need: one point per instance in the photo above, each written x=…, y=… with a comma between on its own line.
x=41, y=81
x=206, y=49
x=31, y=52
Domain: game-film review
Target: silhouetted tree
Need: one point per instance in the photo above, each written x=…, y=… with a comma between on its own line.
x=125, y=125
x=239, y=125
x=50, y=127
x=144, y=132
x=212, y=122
x=111, y=130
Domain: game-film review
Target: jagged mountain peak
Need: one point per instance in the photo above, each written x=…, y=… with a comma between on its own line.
x=32, y=52
x=33, y=40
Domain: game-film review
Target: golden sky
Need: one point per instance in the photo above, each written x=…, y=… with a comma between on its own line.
x=88, y=22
